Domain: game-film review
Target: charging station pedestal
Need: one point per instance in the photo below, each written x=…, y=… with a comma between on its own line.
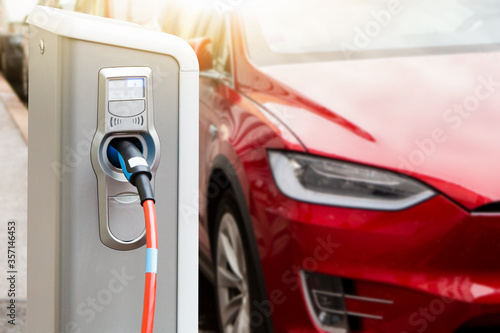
x=91, y=80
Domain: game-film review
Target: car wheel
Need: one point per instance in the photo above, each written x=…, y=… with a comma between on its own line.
x=12, y=58
x=234, y=285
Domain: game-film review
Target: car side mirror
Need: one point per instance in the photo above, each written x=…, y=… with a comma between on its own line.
x=203, y=48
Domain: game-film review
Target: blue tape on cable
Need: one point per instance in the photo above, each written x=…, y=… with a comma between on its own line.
x=151, y=260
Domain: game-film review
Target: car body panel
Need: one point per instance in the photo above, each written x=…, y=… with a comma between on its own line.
x=433, y=252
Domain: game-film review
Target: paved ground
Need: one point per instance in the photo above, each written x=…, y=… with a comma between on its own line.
x=13, y=207
x=20, y=322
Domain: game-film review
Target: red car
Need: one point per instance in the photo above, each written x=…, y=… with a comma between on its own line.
x=350, y=164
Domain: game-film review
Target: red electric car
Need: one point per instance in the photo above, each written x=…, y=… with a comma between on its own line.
x=349, y=163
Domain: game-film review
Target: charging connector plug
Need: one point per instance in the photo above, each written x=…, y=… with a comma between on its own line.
x=134, y=166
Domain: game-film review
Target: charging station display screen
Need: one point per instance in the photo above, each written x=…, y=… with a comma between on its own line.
x=123, y=89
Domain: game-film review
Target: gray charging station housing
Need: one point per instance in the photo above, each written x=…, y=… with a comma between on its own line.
x=86, y=253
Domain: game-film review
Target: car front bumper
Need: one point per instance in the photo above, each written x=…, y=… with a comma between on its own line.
x=433, y=265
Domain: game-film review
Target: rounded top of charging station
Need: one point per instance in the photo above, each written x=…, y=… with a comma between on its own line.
x=113, y=32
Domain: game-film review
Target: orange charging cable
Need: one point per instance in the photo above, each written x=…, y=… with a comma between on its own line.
x=148, y=314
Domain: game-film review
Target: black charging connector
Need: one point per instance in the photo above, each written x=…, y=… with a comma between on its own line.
x=144, y=188
x=125, y=153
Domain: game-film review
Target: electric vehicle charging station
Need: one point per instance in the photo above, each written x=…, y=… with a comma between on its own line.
x=93, y=80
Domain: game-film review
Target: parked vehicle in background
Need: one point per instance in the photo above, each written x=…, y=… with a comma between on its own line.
x=13, y=33
x=14, y=50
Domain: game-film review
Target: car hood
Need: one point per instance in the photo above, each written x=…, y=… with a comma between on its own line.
x=434, y=117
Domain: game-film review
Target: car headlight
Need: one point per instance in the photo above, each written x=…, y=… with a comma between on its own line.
x=336, y=183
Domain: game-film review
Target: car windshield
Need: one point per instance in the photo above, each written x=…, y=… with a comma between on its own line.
x=324, y=30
